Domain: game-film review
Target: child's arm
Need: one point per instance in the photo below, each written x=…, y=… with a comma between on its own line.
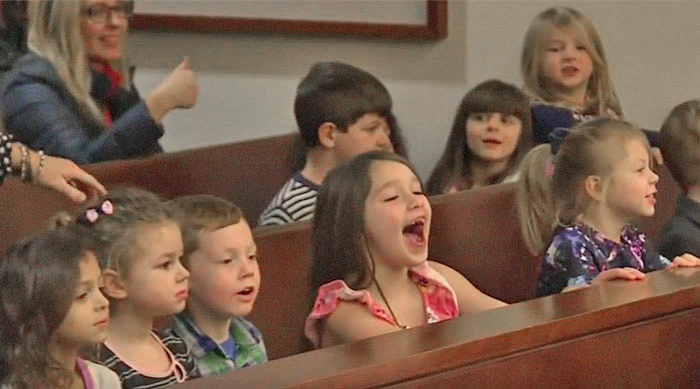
x=686, y=260
x=352, y=321
x=470, y=298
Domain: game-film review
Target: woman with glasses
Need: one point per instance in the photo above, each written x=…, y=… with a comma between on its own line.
x=72, y=96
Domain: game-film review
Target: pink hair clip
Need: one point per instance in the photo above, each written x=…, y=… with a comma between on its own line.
x=92, y=214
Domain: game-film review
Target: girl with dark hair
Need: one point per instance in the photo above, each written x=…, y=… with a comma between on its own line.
x=492, y=131
x=370, y=273
x=51, y=307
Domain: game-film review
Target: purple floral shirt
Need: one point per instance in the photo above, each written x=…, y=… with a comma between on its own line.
x=578, y=254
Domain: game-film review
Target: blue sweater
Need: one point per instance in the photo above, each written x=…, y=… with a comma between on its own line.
x=42, y=114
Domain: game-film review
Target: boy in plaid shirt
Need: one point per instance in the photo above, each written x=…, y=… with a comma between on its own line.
x=221, y=256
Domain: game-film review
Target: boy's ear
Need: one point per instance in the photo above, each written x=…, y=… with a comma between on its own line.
x=326, y=135
x=593, y=185
x=113, y=285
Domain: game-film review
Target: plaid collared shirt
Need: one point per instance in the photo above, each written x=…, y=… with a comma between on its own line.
x=211, y=358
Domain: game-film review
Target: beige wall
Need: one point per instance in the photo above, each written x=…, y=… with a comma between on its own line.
x=248, y=80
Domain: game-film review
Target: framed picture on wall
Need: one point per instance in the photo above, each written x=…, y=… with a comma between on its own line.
x=390, y=19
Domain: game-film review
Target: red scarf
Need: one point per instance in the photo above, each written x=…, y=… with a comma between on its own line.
x=115, y=81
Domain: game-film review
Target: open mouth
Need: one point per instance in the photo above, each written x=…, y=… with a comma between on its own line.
x=415, y=232
x=246, y=291
x=651, y=197
x=569, y=70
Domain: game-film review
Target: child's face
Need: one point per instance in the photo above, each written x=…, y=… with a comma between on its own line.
x=493, y=137
x=224, y=273
x=156, y=282
x=397, y=216
x=87, y=320
x=567, y=65
x=631, y=188
x=369, y=132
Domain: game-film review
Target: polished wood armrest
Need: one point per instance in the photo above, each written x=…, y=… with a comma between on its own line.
x=463, y=346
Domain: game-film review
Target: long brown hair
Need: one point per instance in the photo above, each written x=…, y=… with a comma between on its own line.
x=38, y=278
x=489, y=96
x=601, y=95
x=339, y=245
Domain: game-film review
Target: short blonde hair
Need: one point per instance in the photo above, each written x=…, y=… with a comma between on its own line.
x=601, y=96
x=680, y=143
x=198, y=213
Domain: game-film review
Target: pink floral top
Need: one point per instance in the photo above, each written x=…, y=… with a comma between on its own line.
x=439, y=300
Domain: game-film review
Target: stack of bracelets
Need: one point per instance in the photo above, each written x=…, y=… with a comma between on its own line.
x=25, y=167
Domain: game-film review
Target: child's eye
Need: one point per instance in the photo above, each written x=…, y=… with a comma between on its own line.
x=253, y=257
x=166, y=265
x=477, y=116
x=226, y=261
x=81, y=296
x=581, y=47
x=392, y=198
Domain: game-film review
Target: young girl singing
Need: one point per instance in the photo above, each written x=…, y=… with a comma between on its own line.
x=51, y=307
x=143, y=278
x=602, y=182
x=566, y=72
x=491, y=132
x=370, y=273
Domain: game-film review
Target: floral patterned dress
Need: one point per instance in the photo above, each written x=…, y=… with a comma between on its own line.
x=578, y=254
x=439, y=300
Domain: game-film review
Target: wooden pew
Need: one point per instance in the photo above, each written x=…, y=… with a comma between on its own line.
x=621, y=334
x=475, y=232
x=249, y=173
x=478, y=233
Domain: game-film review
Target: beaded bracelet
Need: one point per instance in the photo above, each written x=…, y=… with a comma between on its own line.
x=5, y=153
x=42, y=158
x=25, y=174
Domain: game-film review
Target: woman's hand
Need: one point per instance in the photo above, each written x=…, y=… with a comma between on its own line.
x=179, y=90
x=64, y=176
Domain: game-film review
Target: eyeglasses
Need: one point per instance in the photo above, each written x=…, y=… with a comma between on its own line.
x=101, y=13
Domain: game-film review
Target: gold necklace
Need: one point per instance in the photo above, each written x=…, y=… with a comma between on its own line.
x=381, y=293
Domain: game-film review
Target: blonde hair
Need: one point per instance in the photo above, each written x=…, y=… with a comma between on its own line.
x=591, y=149
x=117, y=232
x=197, y=213
x=54, y=34
x=534, y=198
x=680, y=143
x=601, y=97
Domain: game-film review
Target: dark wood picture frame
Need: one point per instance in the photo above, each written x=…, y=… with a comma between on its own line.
x=434, y=29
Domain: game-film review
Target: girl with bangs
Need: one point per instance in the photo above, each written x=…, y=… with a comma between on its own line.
x=566, y=72
x=491, y=132
x=370, y=273
x=51, y=308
